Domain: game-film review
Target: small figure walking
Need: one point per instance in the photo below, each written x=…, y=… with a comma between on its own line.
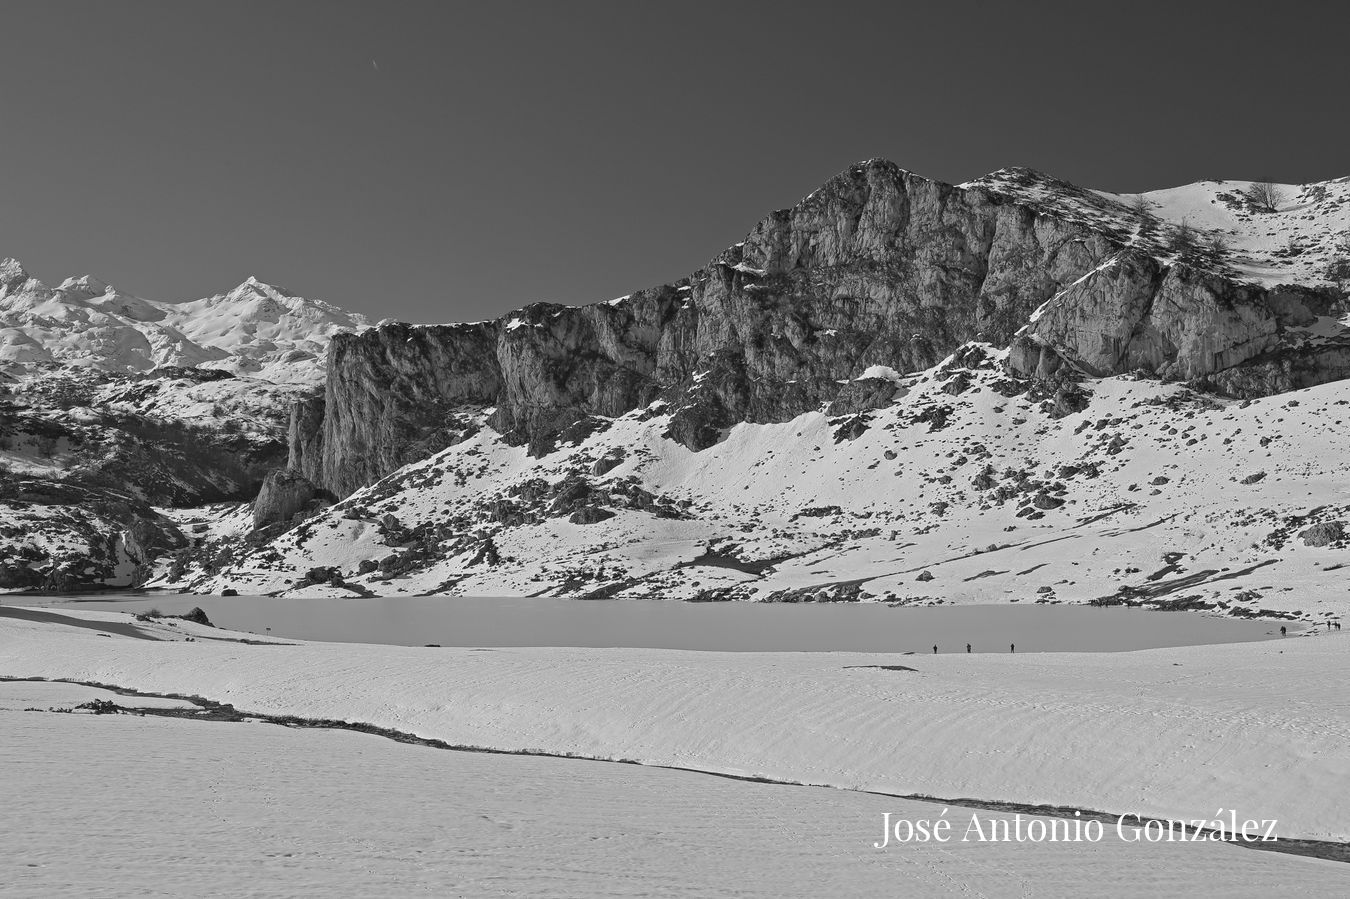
x=934, y=649
x=1283, y=630
x=967, y=647
x=1012, y=647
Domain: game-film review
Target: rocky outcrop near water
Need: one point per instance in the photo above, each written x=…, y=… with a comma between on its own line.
x=283, y=494
x=879, y=267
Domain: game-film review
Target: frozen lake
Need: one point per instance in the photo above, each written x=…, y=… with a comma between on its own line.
x=520, y=621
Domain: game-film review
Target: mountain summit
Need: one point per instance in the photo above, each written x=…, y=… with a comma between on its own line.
x=895, y=389
x=257, y=329
x=877, y=267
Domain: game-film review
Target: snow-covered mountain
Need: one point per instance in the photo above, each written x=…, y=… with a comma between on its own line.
x=257, y=330
x=967, y=485
x=1304, y=238
x=111, y=405
x=1013, y=389
x=1010, y=390
x=878, y=267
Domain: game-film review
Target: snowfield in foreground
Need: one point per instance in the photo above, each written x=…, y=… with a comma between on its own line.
x=1260, y=728
x=180, y=808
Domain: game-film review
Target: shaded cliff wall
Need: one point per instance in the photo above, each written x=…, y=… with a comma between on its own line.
x=304, y=438
x=390, y=396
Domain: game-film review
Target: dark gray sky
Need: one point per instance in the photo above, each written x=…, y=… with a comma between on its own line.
x=443, y=161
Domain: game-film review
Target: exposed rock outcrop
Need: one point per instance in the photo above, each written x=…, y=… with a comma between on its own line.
x=1135, y=313
x=284, y=492
x=65, y=537
x=879, y=267
x=305, y=438
x=1324, y=534
x=389, y=399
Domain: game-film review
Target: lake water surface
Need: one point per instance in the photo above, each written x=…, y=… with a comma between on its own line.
x=537, y=621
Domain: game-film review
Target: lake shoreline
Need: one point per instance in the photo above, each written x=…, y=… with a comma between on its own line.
x=500, y=622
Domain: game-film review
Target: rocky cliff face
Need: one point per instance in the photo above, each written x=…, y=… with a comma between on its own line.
x=879, y=267
x=392, y=400
x=1177, y=322
x=283, y=494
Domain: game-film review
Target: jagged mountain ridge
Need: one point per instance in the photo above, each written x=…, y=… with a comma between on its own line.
x=576, y=434
x=255, y=330
x=877, y=267
x=767, y=429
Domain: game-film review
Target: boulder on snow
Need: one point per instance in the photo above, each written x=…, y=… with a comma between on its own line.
x=606, y=464
x=590, y=515
x=284, y=492
x=1323, y=534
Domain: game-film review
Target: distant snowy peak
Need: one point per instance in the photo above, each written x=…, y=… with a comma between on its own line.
x=84, y=287
x=256, y=330
x=11, y=270
x=1301, y=241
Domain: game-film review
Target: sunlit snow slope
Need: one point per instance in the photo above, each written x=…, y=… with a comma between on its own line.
x=256, y=329
x=1297, y=242
x=969, y=487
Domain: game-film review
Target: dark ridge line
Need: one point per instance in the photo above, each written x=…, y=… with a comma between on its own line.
x=1106, y=513
x=123, y=629
x=1328, y=850
x=43, y=616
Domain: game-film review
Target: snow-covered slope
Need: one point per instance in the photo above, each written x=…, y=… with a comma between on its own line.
x=324, y=813
x=1304, y=240
x=1259, y=728
x=970, y=486
x=256, y=329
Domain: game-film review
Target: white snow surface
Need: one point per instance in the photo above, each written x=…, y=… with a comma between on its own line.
x=185, y=808
x=257, y=329
x=879, y=372
x=1260, y=728
x=1295, y=244
x=1192, y=497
